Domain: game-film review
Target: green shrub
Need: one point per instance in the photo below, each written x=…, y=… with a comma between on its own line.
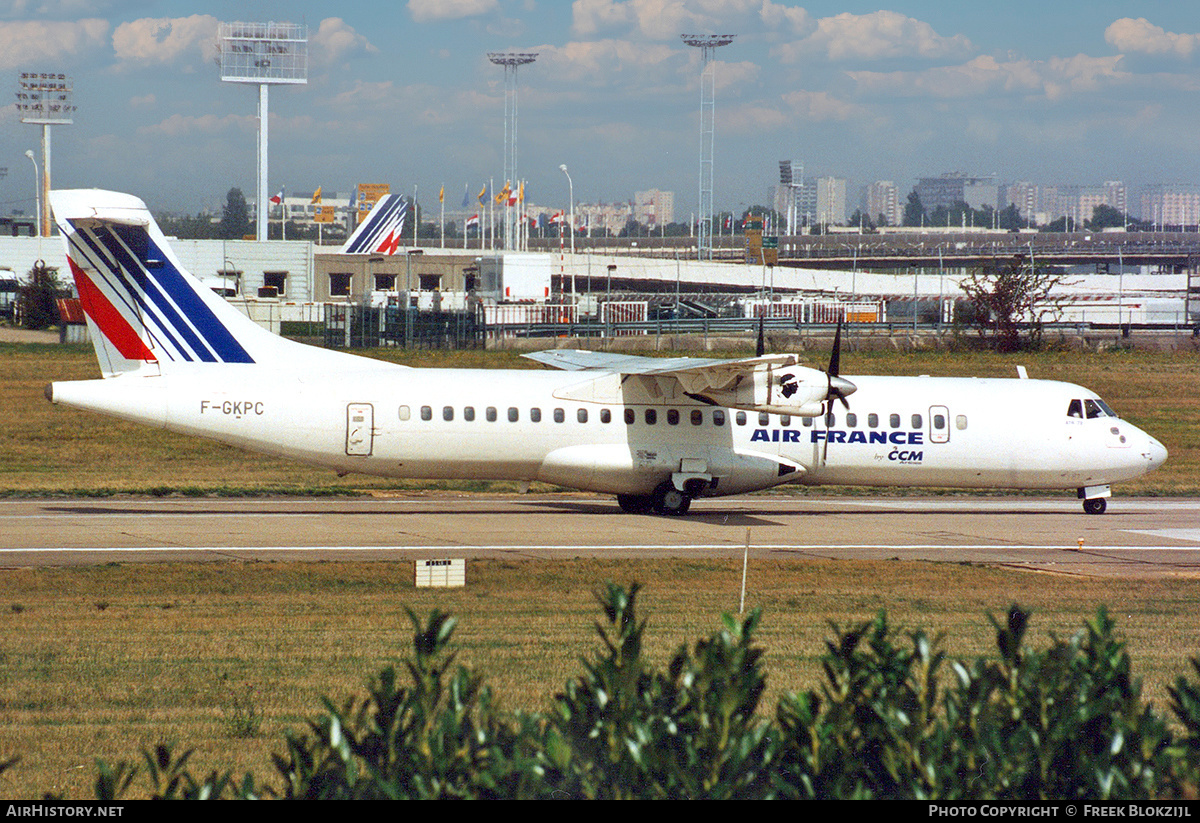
x=893, y=718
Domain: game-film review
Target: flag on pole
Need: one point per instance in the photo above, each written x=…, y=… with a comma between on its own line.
x=442, y=194
x=316, y=198
x=277, y=199
x=483, y=193
x=472, y=222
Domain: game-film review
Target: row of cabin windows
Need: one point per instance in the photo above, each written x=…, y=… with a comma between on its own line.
x=695, y=417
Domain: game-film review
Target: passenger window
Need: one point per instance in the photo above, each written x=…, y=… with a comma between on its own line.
x=785, y=420
x=740, y=418
x=873, y=420
x=961, y=422
x=697, y=417
x=447, y=412
x=605, y=416
x=426, y=412
x=1075, y=409
x=490, y=414
x=581, y=415
x=535, y=415
x=651, y=417
x=808, y=422
x=764, y=419
x=559, y=415
x=629, y=417
x=851, y=420
x=939, y=421
x=469, y=413
x=514, y=414
x=405, y=412
x=916, y=421
x=718, y=417
x=673, y=417
x=894, y=421
x=830, y=420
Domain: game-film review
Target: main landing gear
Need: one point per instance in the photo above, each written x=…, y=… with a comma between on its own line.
x=1096, y=505
x=665, y=500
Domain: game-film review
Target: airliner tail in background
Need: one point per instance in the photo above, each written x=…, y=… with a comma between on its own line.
x=383, y=230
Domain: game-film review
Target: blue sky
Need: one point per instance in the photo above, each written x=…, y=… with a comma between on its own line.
x=402, y=93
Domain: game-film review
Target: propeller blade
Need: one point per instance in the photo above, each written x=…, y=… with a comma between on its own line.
x=835, y=357
x=761, y=347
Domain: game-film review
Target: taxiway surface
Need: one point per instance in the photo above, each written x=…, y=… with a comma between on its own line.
x=1136, y=538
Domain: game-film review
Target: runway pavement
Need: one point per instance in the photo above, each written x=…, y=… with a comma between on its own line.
x=1136, y=538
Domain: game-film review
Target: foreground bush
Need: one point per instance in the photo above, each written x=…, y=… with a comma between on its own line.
x=894, y=718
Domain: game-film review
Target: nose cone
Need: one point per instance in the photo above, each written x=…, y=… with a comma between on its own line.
x=1156, y=453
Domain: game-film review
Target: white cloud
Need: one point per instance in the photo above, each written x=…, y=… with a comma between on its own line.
x=666, y=19
x=820, y=106
x=598, y=62
x=987, y=76
x=425, y=11
x=1143, y=37
x=38, y=46
x=335, y=41
x=179, y=125
x=163, y=41
x=876, y=36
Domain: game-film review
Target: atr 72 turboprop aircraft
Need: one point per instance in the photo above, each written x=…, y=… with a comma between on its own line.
x=656, y=433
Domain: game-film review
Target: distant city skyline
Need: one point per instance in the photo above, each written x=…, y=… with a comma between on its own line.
x=404, y=94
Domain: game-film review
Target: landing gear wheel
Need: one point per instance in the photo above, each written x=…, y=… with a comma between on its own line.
x=1096, y=505
x=636, y=503
x=670, y=501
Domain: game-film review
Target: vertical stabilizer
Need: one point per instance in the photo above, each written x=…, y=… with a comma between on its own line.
x=143, y=309
x=382, y=231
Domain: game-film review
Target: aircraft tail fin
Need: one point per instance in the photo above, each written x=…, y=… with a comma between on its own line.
x=383, y=230
x=144, y=311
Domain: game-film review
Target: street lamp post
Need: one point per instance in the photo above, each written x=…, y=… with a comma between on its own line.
x=37, y=188
x=571, y=197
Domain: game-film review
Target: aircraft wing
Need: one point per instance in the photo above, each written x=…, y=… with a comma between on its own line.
x=582, y=360
x=771, y=383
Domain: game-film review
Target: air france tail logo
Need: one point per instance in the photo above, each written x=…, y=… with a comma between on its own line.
x=144, y=305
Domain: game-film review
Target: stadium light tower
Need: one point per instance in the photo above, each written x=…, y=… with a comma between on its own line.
x=45, y=100
x=511, y=62
x=708, y=44
x=264, y=54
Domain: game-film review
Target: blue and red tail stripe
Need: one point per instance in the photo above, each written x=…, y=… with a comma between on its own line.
x=139, y=288
x=383, y=229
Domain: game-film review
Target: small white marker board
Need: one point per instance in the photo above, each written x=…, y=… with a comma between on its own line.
x=441, y=573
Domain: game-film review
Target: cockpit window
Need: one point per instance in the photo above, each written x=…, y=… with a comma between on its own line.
x=1090, y=408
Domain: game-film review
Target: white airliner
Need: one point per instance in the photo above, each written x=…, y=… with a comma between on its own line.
x=655, y=432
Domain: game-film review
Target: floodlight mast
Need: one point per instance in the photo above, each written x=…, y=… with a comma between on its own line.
x=708, y=44
x=45, y=99
x=511, y=61
x=264, y=54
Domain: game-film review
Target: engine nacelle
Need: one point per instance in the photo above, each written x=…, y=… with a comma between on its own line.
x=795, y=390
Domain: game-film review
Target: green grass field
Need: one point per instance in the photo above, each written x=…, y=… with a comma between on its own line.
x=99, y=661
